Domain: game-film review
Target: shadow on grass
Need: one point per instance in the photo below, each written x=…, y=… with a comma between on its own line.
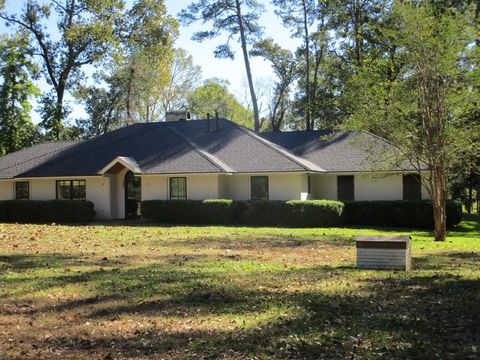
x=420, y=317
x=470, y=223
x=448, y=261
x=384, y=315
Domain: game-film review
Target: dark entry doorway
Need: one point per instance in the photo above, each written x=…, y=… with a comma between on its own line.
x=133, y=195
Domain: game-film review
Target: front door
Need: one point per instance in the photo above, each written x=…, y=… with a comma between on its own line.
x=133, y=195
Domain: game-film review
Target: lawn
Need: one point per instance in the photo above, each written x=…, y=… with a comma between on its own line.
x=114, y=291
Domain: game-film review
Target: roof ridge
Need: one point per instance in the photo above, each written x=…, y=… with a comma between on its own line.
x=306, y=164
x=68, y=144
x=209, y=157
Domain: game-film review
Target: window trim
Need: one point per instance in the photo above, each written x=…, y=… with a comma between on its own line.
x=71, y=189
x=170, y=187
x=251, y=187
x=28, y=189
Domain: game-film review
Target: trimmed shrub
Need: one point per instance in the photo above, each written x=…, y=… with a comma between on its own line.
x=412, y=214
x=294, y=213
x=32, y=211
x=215, y=211
x=317, y=213
x=321, y=213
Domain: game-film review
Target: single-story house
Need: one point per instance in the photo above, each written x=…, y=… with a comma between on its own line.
x=204, y=159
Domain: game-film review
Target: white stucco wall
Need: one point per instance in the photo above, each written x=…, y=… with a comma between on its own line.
x=281, y=186
x=367, y=187
x=287, y=186
x=237, y=187
x=6, y=190
x=378, y=187
x=42, y=189
x=199, y=187
x=155, y=187
x=98, y=192
x=222, y=187
x=324, y=186
x=117, y=194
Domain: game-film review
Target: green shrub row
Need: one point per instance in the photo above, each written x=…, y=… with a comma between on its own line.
x=316, y=213
x=32, y=211
x=312, y=213
x=413, y=214
x=188, y=211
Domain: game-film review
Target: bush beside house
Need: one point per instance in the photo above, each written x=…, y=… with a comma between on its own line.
x=313, y=213
x=294, y=213
x=32, y=211
x=402, y=213
x=317, y=213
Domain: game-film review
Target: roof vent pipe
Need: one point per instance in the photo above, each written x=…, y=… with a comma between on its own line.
x=216, y=119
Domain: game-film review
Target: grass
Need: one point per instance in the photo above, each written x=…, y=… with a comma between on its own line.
x=113, y=292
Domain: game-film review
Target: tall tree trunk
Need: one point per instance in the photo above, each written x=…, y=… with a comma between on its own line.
x=307, y=65
x=256, y=114
x=469, y=200
x=358, y=37
x=58, y=115
x=439, y=199
x=129, y=95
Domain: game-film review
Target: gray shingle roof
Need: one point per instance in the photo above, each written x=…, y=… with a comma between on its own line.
x=342, y=152
x=193, y=147
x=29, y=158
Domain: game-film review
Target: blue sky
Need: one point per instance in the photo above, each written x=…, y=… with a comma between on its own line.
x=231, y=70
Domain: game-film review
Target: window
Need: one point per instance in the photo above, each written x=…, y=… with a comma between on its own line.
x=22, y=190
x=178, y=188
x=412, y=188
x=345, y=188
x=259, y=187
x=71, y=190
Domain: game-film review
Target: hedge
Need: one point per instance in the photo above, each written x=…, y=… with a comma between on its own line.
x=318, y=213
x=32, y=211
x=213, y=211
x=314, y=213
x=412, y=214
x=294, y=213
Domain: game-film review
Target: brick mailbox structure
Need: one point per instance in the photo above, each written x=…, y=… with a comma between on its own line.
x=384, y=252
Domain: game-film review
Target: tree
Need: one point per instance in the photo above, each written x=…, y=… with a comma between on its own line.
x=86, y=31
x=300, y=15
x=236, y=17
x=131, y=87
x=16, y=70
x=415, y=95
x=145, y=54
x=102, y=106
x=285, y=67
x=213, y=96
x=184, y=77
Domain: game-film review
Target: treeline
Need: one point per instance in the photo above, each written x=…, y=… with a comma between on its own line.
x=138, y=73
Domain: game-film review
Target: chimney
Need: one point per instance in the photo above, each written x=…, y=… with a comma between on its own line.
x=178, y=115
x=216, y=119
x=208, y=122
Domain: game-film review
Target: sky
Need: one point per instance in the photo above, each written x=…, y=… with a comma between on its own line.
x=231, y=70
